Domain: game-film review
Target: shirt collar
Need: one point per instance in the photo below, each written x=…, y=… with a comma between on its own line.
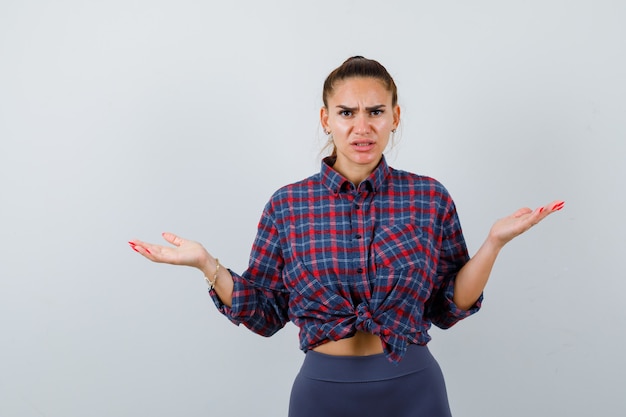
x=337, y=183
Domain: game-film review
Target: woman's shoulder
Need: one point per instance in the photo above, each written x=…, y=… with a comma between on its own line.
x=295, y=191
x=304, y=185
x=412, y=180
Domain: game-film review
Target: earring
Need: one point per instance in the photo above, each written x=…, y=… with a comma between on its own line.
x=393, y=130
x=327, y=132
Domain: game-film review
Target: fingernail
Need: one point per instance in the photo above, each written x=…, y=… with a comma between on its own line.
x=132, y=244
x=147, y=250
x=558, y=206
x=134, y=248
x=541, y=210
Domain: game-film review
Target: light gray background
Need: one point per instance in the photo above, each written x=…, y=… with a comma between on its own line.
x=123, y=119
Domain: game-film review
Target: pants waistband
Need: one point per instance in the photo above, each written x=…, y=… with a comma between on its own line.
x=333, y=368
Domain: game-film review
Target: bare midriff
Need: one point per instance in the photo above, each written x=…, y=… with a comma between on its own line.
x=361, y=344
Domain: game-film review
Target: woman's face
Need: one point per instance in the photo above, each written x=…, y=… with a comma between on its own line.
x=360, y=116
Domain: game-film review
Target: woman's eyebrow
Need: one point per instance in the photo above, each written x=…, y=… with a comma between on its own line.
x=352, y=109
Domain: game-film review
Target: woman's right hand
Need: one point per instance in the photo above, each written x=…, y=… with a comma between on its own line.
x=185, y=252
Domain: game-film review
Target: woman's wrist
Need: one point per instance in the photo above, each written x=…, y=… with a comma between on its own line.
x=219, y=280
x=209, y=266
x=494, y=241
x=211, y=281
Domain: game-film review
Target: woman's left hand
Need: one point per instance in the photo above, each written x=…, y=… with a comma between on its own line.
x=507, y=228
x=472, y=278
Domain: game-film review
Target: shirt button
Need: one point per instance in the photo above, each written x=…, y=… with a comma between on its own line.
x=358, y=236
x=359, y=270
x=356, y=206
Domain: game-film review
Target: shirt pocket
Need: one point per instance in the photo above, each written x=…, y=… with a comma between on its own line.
x=404, y=272
x=404, y=247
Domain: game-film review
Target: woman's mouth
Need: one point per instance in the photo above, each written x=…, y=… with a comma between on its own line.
x=363, y=145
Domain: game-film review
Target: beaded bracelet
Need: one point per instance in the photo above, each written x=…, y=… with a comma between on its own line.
x=217, y=269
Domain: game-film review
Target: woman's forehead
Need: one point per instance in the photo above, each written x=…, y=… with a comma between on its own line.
x=360, y=89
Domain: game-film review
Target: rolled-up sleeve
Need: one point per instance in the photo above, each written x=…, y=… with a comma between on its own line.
x=260, y=300
x=443, y=312
x=441, y=309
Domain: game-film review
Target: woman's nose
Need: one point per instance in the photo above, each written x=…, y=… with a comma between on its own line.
x=361, y=123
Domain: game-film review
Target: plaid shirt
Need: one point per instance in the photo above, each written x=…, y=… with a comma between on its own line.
x=333, y=258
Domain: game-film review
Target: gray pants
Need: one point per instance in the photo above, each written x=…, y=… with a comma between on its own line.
x=362, y=386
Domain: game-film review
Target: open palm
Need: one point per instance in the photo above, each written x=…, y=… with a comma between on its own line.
x=523, y=219
x=183, y=252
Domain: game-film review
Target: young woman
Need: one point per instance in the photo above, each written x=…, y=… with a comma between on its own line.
x=363, y=258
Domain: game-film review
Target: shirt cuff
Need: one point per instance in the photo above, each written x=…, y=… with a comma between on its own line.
x=229, y=312
x=454, y=310
x=445, y=313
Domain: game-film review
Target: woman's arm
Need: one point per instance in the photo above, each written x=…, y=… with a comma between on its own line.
x=189, y=253
x=472, y=278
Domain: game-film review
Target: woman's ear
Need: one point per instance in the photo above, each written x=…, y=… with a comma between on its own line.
x=396, y=116
x=324, y=119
